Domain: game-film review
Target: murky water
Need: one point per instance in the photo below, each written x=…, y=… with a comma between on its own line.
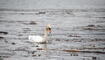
x=80, y=30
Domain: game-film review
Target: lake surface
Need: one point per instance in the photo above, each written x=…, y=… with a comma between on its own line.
x=82, y=30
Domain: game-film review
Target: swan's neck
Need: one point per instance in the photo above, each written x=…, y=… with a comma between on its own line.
x=45, y=33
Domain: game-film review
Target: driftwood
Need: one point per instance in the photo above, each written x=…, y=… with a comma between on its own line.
x=74, y=50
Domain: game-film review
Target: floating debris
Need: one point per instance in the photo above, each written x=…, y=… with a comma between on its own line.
x=22, y=13
x=40, y=49
x=32, y=23
x=26, y=29
x=74, y=36
x=36, y=46
x=34, y=55
x=97, y=39
x=71, y=50
x=1, y=37
x=13, y=43
x=33, y=52
x=101, y=52
x=20, y=35
x=39, y=54
x=89, y=27
x=1, y=57
x=95, y=48
x=40, y=13
x=3, y=32
x=94, y=58
x=6, y=54
x=29, y=23
x=93, y=52
x=67, y=40
x=57, y=39
x=74, y=54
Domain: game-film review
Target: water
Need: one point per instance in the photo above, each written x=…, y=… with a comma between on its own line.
x=77, y=34
x=72, y=29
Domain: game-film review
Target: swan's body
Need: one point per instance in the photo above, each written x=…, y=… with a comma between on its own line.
x=36, y=38
x=40, y=39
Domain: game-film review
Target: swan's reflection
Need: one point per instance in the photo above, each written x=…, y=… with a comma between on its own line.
x=40, y=50
x=42, y=46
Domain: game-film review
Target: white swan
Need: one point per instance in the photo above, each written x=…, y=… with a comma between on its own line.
x=41, y=39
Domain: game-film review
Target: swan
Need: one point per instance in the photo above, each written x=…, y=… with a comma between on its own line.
x=41, y=39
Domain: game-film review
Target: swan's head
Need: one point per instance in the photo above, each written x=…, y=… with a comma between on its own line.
x=48, y=28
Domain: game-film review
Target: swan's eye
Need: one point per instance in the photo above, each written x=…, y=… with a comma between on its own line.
x=48, y=28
